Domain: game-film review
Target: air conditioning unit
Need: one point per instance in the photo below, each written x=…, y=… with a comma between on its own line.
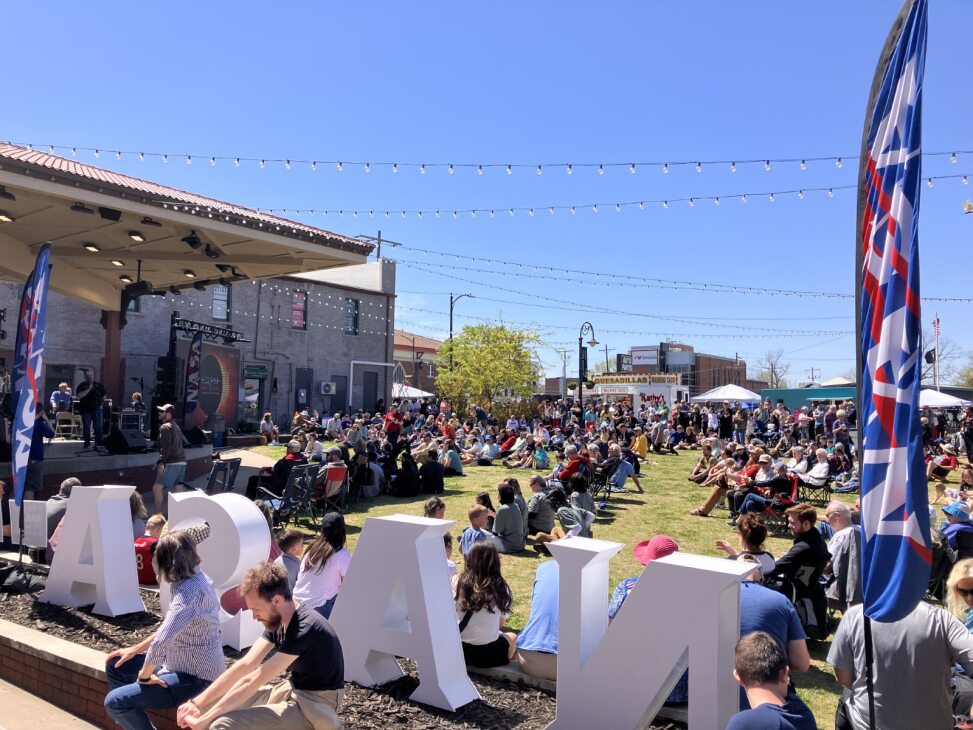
x=328, y=389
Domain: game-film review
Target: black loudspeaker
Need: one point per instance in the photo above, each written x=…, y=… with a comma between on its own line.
x=195, y=436
x=125, y=441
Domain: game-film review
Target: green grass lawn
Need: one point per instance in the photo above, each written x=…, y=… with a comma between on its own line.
x=629, y=519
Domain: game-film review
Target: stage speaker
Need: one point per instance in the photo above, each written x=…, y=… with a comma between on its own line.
x=195, y=436
x=125, y=441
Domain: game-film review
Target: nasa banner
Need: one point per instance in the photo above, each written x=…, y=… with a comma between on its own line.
x=191, y=399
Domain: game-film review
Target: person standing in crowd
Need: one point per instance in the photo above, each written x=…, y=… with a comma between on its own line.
x=912, y=661
x=91, y=396
x=393, y=429
x=761, y=668
x=171, y=466
x=181, y=658
x=306, y=646
x=324, y=566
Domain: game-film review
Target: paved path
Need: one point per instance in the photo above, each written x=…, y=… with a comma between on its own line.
x=24, y=711
x=251, y=463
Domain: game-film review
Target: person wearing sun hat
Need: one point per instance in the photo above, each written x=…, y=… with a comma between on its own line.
x=940, y=467
x=645, y=552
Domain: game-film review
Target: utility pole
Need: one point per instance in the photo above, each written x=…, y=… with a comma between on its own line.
x=935, y=363
x=608, y=365
x=812, y=373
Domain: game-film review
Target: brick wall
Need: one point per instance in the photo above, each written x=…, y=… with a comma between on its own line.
x=61, y=673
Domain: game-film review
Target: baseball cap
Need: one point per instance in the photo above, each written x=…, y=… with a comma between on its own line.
x=658, y=547
x=167, y=407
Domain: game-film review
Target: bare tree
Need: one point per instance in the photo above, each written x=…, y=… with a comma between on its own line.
x=772, y=369
x=949, y=354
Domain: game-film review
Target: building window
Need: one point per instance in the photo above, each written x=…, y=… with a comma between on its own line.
x=351, y=316
x=299, y=310
x=221, y=303
x=432, y=373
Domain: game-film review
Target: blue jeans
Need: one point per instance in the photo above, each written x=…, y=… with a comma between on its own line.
x=740, y=435
x=325, y=608
x=753, y=503
x=98, y=418
x=127, y=700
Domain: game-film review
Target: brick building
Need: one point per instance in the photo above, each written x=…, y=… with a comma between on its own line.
x=418, y=358
x=331, y=328
x=700, y=371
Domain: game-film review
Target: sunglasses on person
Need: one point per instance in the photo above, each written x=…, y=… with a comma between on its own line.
x=965, y=592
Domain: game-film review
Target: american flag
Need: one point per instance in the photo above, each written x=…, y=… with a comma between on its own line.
x=936, y=328
x=895, y=510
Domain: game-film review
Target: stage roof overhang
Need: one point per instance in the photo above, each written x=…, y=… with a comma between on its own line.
x=186, y=239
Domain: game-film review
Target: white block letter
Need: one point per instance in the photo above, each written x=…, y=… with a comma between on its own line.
x=684, y=610
x=239, y=539
x=396, y=601
x=95, y=558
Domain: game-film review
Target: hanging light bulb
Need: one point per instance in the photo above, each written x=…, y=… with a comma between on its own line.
x=771, y=196
x=212, y=162
x=510, y=170
x=716, y=201
x=767, y=165
x=386, y=215
x=573, y=210
x=437, y=213
x=618, y=208
x=165, y=159
x=97, y=154
x=803, y=164
x=479, y=169
x=455, y=215
x=631, y=169
x=569, y=169
x=118, y=155
x=830, y=193
x=952, y=158
x=236, y=163
x=601, y=169
x=539, y=170
x=642, y=205
x=450, y=168
x=692, y=203
x=733, y=167
x=141, y=157
x=395, y=167
x=594, y=208
x=551, y=210
x=511, y=212
x=340, y=165
x=368, y=167
x=74, y=152
x=403, y=214
x=354, y=214
x=966, y=180
x=473, y=213
x=665, y=203
x=929, y=183
x=743, y=198
x=422, y=169
x=838, y=163
x=699, y=167
x=665, y=167
x=800, y=194
x=493, y=214
x=531, y=212
x=189, y=159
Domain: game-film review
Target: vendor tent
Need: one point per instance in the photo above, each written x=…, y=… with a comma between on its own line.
x=929, y=398
x=732, y=393
x=400, y=390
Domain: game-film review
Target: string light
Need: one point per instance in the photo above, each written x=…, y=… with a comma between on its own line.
x=212, y=162
x=97, y=154
x=771, y=197
x=422, y=169
x=830, y=193
x=189, y=159
x=838, y=163
x=665, y=168
x=965, y=180
x=803, y=165
x=929, y=182
x=569, y=169
x=618, y=208
x=450, y=169
x=539, y=170
x=118, y=155
x=395, y=167
x=631, y=169
x=952, y=158
x=800, y=194
x=716, y=201
x=510, y=170
x=165, y=159
x=236, y=163
x=601, y=169
x=340, y=166
x=699, y=167
x=767, y=165
x=733, y=167
x=368, y=167
x=141, y=157
x=692, y=203
x=479, y=169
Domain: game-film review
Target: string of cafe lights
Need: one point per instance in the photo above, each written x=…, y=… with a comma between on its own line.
x=598, y=279
x=593, y=207
x=756, y=333
x=767, y=162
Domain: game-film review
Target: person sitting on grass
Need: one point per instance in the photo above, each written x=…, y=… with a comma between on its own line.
x=573, y=522
x=452, y=464
x=580, y=497
x=324, y=566
x=483, y=498
x=540, y=515
x=180, y=659
x=489, y=452
x=291, y=544
x=519, y=501
x=477, y=530
x=483, y=601
x=761, y=668
x=508, y=524
x=434, y=508
x=640, y=444
x=751, y=535
x=431, y=475
x=939, y=469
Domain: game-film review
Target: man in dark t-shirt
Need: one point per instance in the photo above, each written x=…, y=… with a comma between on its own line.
x=91, y=396
x=305, y=645
x=432, y=475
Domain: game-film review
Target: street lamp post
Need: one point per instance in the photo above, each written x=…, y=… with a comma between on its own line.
x=586, y=328
x=415, y=369
x=452, y=301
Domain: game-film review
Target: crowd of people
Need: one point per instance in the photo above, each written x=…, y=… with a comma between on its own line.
x=752, y=461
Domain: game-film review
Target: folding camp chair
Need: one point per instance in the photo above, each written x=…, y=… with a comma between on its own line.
x=813, y=494
x=330, y=492
x=295, y=499
x=774, y=517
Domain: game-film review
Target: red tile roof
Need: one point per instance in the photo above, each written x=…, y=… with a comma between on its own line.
x=165, y=195
x=403, y=340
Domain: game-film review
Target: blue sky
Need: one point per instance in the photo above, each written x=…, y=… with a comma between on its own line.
x=531, y=83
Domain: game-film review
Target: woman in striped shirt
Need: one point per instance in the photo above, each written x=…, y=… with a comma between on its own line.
x=184, y=656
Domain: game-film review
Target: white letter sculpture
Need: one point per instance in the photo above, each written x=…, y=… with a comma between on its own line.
x=95, y=558
x=239, y=539
x=35, y=523
x=396, y=601
x=684, y=611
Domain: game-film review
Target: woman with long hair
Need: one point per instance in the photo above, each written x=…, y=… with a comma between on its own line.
x=959, y=591
x=751, y=534
x=180, y=659
x=483, y=601
x=324, y=566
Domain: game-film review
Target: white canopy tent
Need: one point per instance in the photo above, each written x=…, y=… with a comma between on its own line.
x=732, y=393
x=934, y=399
x=400, y=390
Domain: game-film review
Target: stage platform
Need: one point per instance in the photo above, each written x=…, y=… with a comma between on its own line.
x=65, y=458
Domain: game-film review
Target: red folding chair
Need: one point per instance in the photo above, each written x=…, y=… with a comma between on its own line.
x=331, y=488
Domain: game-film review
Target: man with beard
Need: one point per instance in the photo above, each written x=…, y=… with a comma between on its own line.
x=306, y=646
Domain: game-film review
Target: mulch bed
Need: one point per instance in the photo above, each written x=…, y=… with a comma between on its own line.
x=503, y=704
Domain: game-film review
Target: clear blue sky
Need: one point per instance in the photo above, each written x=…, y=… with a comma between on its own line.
x=538, y=82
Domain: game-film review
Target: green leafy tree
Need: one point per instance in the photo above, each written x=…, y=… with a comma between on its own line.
x=485, y=363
